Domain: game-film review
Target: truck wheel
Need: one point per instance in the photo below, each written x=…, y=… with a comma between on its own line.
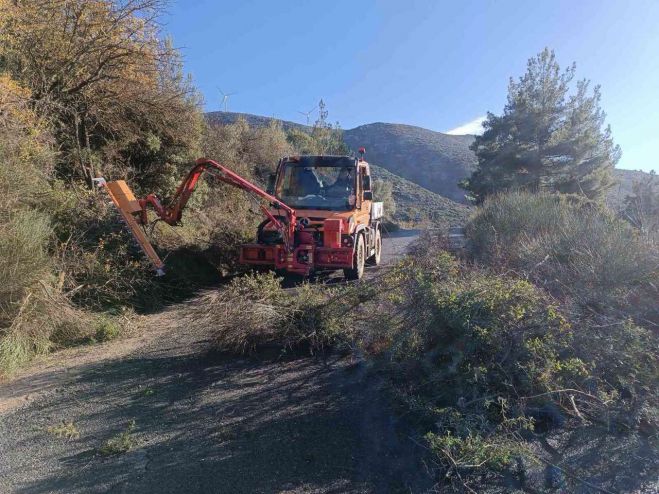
x=374, y=260
x=357, y=271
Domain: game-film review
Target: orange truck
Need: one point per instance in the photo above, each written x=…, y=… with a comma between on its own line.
x=319, y=214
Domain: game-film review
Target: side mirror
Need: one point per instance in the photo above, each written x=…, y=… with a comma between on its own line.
x=270, y=189
x=368, y=195
x=366, y=182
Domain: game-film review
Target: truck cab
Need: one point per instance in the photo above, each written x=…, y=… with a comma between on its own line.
x=338, y=223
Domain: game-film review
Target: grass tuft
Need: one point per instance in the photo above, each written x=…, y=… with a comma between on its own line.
x=107, y=329
x=121, y=443
x=66, y=430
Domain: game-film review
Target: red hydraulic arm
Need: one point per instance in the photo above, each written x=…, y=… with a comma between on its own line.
x=134, y=211
x=172, y=214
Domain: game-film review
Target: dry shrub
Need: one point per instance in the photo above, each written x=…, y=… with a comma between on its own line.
x=25, y=261
x=42, y=321
x=576, y=249
x=254, y=311
x=35, y=314
x=100, y=264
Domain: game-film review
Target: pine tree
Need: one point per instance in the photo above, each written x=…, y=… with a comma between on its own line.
x=546, y=139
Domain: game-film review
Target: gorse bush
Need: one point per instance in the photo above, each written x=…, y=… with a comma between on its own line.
x=462, y=354
x=602, y=269
x=477, y=334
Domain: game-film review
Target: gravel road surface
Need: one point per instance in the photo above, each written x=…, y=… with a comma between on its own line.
x=202, y=422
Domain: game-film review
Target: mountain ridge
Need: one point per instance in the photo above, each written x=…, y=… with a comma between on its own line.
x=430, y=159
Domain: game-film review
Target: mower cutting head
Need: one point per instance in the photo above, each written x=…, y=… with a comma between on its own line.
x=129, y=207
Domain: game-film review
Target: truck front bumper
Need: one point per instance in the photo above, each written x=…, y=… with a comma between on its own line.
x=303, y=260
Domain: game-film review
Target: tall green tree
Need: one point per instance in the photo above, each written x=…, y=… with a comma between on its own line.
x=549, y=137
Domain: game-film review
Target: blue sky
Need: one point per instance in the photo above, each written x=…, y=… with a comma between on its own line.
x=435, y=64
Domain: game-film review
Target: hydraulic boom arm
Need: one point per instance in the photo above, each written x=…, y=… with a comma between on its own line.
x=135, y=211
x=172, y=213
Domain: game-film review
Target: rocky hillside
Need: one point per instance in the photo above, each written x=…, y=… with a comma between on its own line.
x=434, y=160
x=416, y=205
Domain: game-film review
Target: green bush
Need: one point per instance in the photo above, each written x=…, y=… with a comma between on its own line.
x=106, y=329
x=604, y=272
x=482, y=360
x=464, y=352
x=476, y=333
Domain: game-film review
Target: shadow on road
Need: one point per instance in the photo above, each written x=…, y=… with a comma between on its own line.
x=210, y=423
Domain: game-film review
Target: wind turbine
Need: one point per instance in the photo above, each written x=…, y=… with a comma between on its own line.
x=308, y=113
x=225, y=98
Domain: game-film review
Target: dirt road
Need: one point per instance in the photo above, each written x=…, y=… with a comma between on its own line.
x=202, y=422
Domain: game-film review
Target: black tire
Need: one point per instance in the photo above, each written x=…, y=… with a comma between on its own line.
x=268, y=237
x=376, y=258
x=358, y=261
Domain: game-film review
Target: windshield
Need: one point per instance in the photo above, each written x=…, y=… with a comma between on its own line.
x=317, y=186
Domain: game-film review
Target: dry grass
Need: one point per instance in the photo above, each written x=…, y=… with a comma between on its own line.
x=44, y=321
